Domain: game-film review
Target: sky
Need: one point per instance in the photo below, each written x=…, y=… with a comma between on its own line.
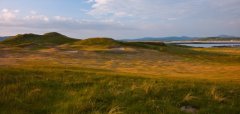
x=121, y=19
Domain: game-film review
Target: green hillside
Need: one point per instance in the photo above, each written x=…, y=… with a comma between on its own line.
x=109, y=43
x=96, y=43
x=53, y=39
x=38, y=41
x=99, y=41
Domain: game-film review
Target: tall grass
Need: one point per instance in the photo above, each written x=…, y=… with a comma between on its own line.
x=86, y=91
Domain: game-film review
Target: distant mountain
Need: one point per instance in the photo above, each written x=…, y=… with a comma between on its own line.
x=228, y=38
x=3, y=37
x=171, y=38
x=185, y=38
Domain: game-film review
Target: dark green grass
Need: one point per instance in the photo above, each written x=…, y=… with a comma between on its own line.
x=91, y=91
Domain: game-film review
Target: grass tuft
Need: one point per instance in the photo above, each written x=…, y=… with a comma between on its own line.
x=189, y=97
x=216, y=95
x=115, y=110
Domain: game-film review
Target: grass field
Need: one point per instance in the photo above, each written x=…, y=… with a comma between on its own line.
x=124, y=79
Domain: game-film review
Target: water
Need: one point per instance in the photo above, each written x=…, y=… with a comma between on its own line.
x=211, y=45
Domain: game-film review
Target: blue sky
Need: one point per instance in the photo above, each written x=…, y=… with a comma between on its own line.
x=121, y=18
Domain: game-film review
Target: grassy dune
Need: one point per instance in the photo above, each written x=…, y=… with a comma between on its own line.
x=34, y=41
x=116, y=77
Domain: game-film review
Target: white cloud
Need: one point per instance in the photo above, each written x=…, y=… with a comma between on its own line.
x=34, y=21
x=16, y=11
x=34, y=16
x=161, y=9
x=7, y=15
x=37, y=18
x=157, y=9
x=12, y=17
x=33, y=12
x=61, y=18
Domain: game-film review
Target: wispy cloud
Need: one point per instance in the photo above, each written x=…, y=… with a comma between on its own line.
x=142, y=9
x=177, y=16
x=36, y=21
x=7, y=15
x=127, y=18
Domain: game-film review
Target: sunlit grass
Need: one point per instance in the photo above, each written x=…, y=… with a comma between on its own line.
x=29, y=90
x=143, y=78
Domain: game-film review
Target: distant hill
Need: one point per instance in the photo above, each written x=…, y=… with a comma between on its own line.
x=3, y=37
x=226, y=36
x=38, y=41
x=109, y=43
x=53, y=39
x=219, y=39
x=101, y=43
x=171, y=38
x=184, y=38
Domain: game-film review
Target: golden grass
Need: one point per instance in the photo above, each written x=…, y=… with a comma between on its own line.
x=115, y=110
x=64, y=80
x=189, y=97
x=233, y=51
x=146, y=62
